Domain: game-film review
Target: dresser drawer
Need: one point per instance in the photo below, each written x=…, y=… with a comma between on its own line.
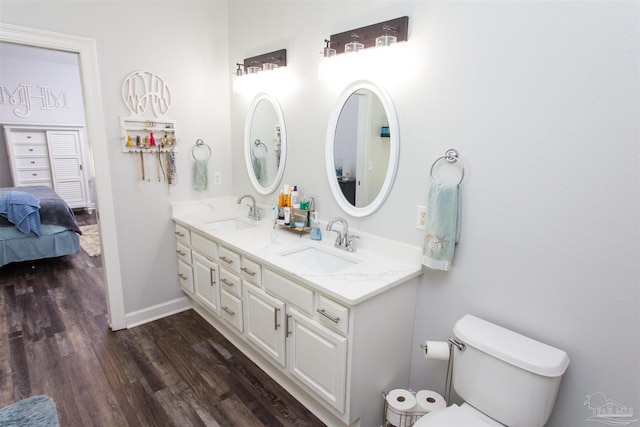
x=30, y=150
x=229, y=259
x=32, y=163
x=292, y=292
x=251, y=271
x=33, y=175
x=231, y=309
x=204, y=246
x=231, y=282
x=183, y=235
x=21, y=136
x=332, y=314
x=184, y=253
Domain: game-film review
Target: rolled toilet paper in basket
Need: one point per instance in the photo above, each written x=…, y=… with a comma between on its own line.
x=436, y=350
x=429, y=400
x=399, y=402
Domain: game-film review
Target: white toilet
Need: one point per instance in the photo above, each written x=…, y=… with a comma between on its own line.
x=505, y=378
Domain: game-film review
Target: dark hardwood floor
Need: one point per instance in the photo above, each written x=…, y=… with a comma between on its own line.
x=177, y=371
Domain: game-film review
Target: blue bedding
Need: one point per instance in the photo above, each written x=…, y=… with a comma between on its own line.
x=54, y=241
x=58, y=234
x=53, y=209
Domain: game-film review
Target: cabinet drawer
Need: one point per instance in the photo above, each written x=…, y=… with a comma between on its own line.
x=292, y=292
x=332, y=314
x=185, y=276
x=231, y=282
x=183, y=235
x=33, y=175
x=30, y=150
x=231, y=309
x=251, y=271
x=229, y=259
x=28, y=136
x=32, y=163
x=184, y=253
x=204, y=246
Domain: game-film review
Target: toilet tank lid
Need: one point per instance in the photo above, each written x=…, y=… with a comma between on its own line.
x=511, y=347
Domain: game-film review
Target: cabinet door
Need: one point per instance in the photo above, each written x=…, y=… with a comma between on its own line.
x=264, y=323
x=67, y=167
x=318, y=358
x=205, y=277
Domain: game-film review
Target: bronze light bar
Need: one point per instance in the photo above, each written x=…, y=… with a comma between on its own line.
x=367, y=35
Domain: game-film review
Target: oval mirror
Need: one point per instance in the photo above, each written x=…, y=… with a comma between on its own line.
x=265, y=143
x=362, y=148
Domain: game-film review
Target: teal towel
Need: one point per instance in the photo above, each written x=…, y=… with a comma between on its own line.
x=443, y=226
x=260, y=169
x=201, y=175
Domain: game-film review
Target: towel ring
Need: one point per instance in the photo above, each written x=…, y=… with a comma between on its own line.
x=200, y=144
x=258, y=143
x=450, y=156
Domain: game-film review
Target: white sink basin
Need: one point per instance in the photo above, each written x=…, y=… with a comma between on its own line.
x=228, y=224
x=317, y=260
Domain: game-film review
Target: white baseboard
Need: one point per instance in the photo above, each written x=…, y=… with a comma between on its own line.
x=156, y=312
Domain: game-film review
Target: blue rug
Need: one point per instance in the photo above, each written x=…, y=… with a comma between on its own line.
x=34, y=411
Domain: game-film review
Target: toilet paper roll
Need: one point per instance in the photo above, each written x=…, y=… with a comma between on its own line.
x=436, y=350
x=429, y=400
x=399, y=402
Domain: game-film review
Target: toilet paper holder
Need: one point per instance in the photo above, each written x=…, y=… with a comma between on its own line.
x=452, y=342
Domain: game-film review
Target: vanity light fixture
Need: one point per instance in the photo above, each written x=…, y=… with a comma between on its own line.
x=250, y=67
x=370, y=36
x=354, y=46
x=328, y=51
x=386, y=39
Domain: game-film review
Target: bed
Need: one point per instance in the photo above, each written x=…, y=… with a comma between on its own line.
x=58, y=231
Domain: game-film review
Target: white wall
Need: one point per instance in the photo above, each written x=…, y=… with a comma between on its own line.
x=541, y=100
x=186, y=44
x=38, y=68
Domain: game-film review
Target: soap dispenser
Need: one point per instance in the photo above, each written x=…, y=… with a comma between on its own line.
x=316, y=233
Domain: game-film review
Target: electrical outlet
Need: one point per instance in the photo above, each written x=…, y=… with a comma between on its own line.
x=217, y=179
x=421, y=218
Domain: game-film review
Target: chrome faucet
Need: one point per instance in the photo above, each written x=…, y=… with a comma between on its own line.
x=344, y=240
x=254, y=211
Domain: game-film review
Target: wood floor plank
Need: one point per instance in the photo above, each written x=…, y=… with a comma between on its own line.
x=176, y=371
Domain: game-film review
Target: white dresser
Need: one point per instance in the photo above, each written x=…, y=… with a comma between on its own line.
x=51, y=156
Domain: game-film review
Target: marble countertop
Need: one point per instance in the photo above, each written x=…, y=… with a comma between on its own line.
x=378, y=264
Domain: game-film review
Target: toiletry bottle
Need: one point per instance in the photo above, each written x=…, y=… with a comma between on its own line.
x=316, y=233
x=295, y=202
x=287, y=215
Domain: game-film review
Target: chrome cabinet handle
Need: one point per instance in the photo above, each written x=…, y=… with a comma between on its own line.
x=212, y=276
x=276, y=310
x=228, y=311
x=249, y=272
x=179, y=233
x=287, y=331
x=328, y=316
x=182, y=276
x=181, y=253
x=227, y=260
x=226, y=282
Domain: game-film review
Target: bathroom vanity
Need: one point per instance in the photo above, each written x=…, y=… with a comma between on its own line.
x=334, y=328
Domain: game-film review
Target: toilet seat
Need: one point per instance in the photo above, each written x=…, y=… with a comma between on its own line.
x=454, y=415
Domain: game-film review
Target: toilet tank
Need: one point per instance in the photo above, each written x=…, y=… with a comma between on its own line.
x=507, y=376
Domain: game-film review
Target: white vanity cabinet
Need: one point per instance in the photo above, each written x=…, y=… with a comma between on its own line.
x=205, y=272
x=266, y=323
x=336, y=358
x=183, y=250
